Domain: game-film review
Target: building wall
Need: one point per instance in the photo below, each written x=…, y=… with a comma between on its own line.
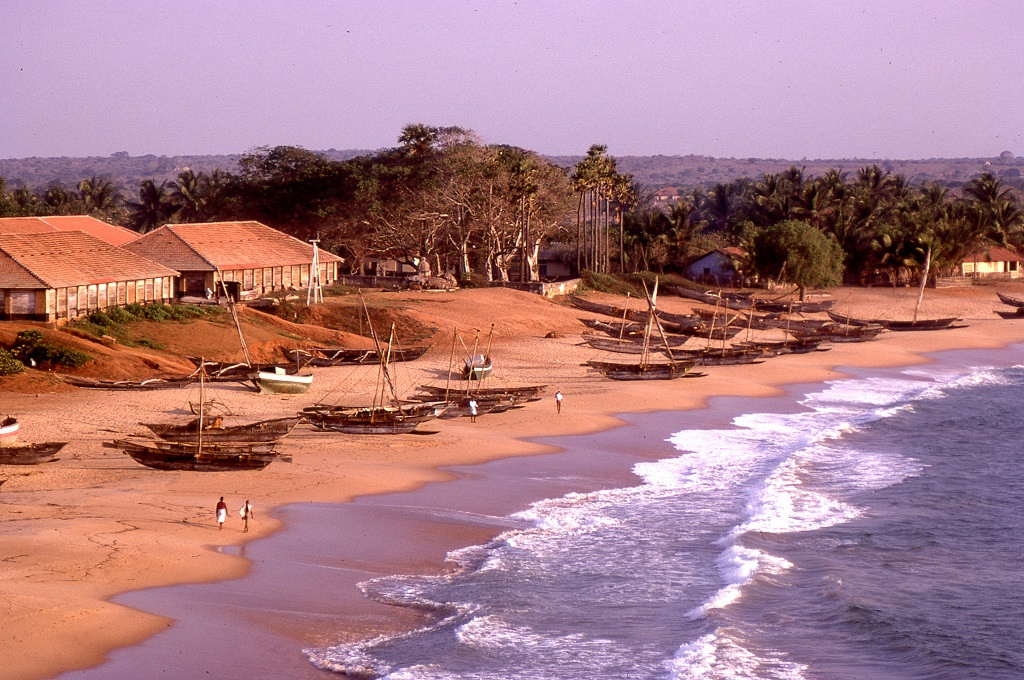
x=63, y=304
x=1010, y=270
x=263, y=280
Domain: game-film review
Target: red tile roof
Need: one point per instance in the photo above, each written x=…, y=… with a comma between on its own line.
x=994, y=254
x=225, y=246
x=110, y=233
x=65, y=259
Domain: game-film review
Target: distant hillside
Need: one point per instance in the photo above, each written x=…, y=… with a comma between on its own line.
x=126, y=171
x=654, y=172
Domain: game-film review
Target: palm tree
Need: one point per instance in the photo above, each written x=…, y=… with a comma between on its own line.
x=417, y=139
x=153, y=208
x=99, y=196
x=188, y=196
x=59, y=201
x=997, y=208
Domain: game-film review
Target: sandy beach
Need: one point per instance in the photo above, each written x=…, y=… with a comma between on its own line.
x=77, y=532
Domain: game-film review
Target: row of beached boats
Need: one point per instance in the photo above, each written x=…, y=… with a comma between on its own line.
x=207, y=443
x=633, y=332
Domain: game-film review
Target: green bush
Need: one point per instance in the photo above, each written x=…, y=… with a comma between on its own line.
x=9, y=365
x=31, y=348
x=120, y=315
x=146, y=342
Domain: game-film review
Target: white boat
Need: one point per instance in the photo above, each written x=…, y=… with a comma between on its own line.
x=280, y=382
x=8, y=430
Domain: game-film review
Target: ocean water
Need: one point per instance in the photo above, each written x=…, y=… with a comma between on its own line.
x=872, y=530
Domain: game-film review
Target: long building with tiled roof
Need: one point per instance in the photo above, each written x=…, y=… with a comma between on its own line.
x=64, y=274
x=111, y=233
x=249, y=257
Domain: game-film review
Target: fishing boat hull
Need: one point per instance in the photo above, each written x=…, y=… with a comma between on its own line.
x=348, y=356
x=188, y=456
x=477, y=368
x=373, y=420
x=150, y=384
x=281, y=383
x=30, y=454
x=263, y=431
x=8, y=430
x=1011, y=300
x=619, y=371
x=524, y=390
x=919, y=325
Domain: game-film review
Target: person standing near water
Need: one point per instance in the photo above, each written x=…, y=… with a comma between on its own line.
x=222, y=512
x=246, y=513
x=558, y=401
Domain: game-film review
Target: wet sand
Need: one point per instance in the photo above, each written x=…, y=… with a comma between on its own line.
x=77, y=533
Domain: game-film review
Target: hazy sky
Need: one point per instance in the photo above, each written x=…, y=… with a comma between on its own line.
x=767, y=78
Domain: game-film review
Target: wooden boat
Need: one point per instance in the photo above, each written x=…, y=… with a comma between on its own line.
x=615, y=328
x=628, y=345
x=645, y=371
x=796, y=306
x=676, y=323
x=799, y=346
x=372, y=419
x=148, y=384
x=525, y=391
x=213, y=430
x=734, y=300
x=8, y=430
x=1011, y=300
x=207, y=457
x=280, y=382
x=477, y=367
x=237, y=370
x=840, y=333
x=29, y=454
x=722, y=357
x=377, y=418
x=346, y=356
x=919, y=325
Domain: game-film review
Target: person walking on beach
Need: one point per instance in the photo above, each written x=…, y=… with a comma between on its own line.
x=472, y=410
x=246, y=513
x=558, y=401
x=222, y=512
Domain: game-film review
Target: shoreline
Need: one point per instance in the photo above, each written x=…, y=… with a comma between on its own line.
x=470, y=509
x=188, y=555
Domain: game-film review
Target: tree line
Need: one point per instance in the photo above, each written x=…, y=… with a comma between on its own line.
x=444, y=201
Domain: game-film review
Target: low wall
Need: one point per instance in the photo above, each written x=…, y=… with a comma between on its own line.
x=547, y=289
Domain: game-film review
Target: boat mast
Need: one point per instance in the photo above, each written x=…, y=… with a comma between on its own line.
x=651, y=299
x=234, y=315
x=451, y=362
x=487, y=357
x=380, y=354
x=202, y=399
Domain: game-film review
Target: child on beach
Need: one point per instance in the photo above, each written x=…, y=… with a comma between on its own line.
x=558, y=401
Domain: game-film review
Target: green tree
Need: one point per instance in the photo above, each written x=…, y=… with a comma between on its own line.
x=795, y=252
x=153, y=208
